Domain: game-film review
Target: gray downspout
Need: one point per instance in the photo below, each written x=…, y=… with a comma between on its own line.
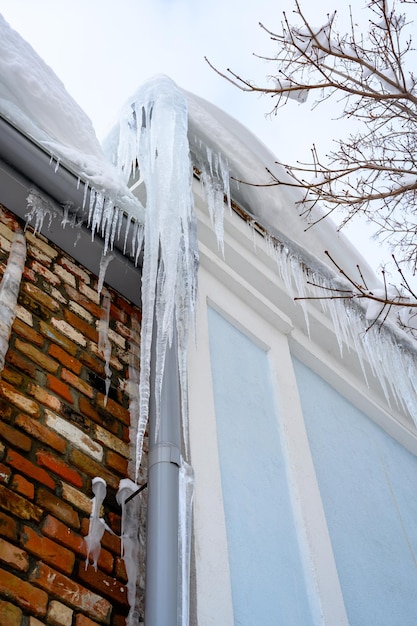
x=162, y=579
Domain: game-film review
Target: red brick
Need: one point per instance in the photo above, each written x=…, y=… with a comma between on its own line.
x=116, y=462
x=49, y=502
x=43, y=396
x=5, y=473
x=59, y=467
x=5, y=410
x=41, y=432
x=92, y=363
x=14, y=437
x=56, y=530
x=17, y=461
x=48, y=276
x=120, y=569
x=77, y=383
x=10, y=615
x=55, y=336
x=116, y=410
x=8, y=527
x=60, y=388
x=23, y=486
x=82, y=620
x=18, y=591
x=34, y=354
x=13, y=556
x=16, y=505
x=104, y=585
x=65, y=359
x=90, y=467
x=71, y=593
x=25, y=366
x=81, y=325
x=105, y=419
x=40, y=296
x=47, y=550
x=28, y=333
x=18, y=399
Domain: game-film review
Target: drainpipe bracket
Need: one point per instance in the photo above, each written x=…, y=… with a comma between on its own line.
x=164, y=453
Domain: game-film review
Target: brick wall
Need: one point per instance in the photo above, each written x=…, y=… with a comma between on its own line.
x=56, y=433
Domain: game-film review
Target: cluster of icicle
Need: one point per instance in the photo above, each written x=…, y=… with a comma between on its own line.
x=9, y=290
x=385, y=349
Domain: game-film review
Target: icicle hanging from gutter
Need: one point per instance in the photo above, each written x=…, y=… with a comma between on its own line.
x=97, y=524
x=9, y=291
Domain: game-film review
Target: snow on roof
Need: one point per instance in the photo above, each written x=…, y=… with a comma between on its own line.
x=36, y=102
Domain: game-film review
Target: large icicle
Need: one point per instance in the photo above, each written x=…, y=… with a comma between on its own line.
x=9, y=291
x=153, y=134
x=104, y=343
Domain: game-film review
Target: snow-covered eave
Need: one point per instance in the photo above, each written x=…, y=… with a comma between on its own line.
x=25, y=165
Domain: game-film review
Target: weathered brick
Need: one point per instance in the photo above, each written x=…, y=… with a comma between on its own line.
x=90, y=467
x=16, y=505
x=13, y=556
x=37, y=430
x=29, y=469
x=10, y=615
x=110, y=441
x=58, y=531
x=47, y=550
x=5, y=473
x=69, y=331
x=46, y=273
x=40, y=296
x=28, y=333
x=91, y=294
x=94, y=364
x=71, y=593
x=77, y=383
x=74, y=435
x=24, y=315
x=66, y=276
x=5, y=410
x=57, y=386
x=59, y=467
x=35, y=622
x=81, y=312
x=54, y=335
x=59, y=614
x=65, y=359
x=35, y=242
x=81, y=325
x=22, y=364
x=108, y=420
x=23, y=486
x=12, y=377
x=44, y=397
x=75, y=497
x=81, y=273
x=128, y=333
x=116, y=462
x=104, y=585
x=36, y=308
x=8, y=526
x=60, y=509
x=28, y=597
x=43, y=360
x=112, y=407
x=18, y=399
x=14, y=437
x=87, y=303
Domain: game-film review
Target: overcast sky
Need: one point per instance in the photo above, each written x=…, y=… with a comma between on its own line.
x=104, y=50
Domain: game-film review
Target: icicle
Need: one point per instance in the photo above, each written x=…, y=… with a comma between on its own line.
x=186, y=495
x=97, y=525
x=9, y=290
x=39, y=208
x=130, y=542
x=104, y=263
x=104, y=343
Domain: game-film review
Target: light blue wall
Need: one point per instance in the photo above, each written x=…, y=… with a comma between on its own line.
x=368, y=484
x=268, y=585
